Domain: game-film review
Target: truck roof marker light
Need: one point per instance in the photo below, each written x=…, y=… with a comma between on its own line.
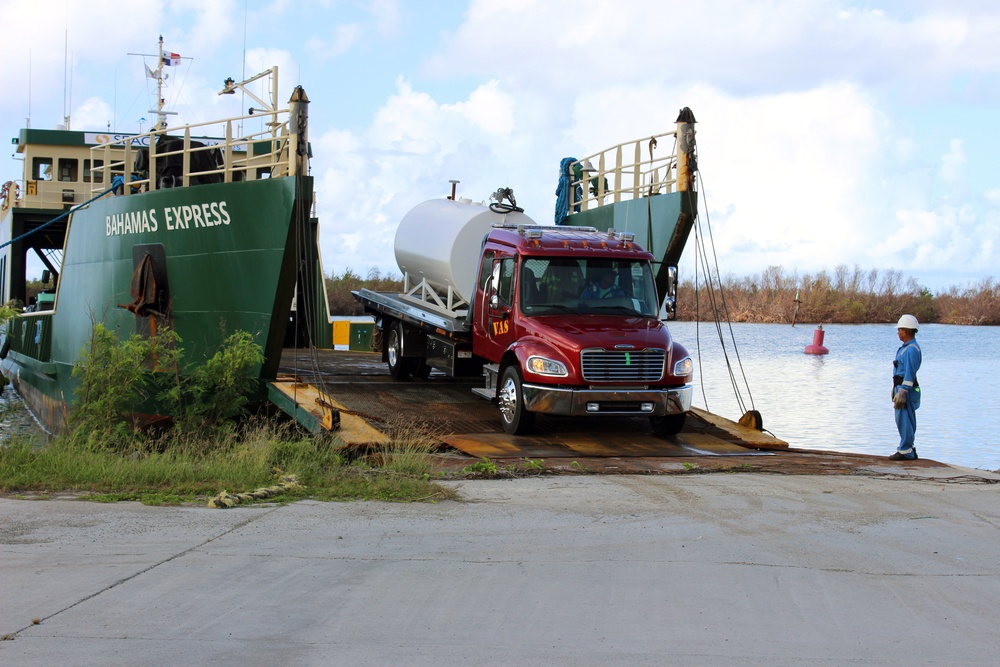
x=565, y=243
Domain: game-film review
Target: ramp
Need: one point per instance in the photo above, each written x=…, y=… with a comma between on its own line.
x=582, y=445
x=318, y=412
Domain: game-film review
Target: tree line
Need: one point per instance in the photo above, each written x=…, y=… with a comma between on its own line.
x=845, y=295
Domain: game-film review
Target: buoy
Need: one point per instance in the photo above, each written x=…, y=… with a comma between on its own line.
x=817, y=344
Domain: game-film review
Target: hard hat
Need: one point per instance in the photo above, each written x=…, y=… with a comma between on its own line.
x=907, y=322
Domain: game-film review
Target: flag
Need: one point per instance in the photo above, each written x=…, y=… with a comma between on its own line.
x=171, y=59
x=150, y=73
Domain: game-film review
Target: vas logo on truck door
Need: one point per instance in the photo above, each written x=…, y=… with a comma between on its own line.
x=500, y=327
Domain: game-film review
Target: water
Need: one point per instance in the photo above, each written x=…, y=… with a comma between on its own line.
x=840, y=401
x=15, y=418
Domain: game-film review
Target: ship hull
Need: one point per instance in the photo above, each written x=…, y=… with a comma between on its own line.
x=224, y=257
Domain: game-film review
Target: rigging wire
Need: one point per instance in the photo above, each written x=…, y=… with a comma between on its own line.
x=56, y=219
x=717, y=302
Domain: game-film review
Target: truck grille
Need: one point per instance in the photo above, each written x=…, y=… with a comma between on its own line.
x=620, y=366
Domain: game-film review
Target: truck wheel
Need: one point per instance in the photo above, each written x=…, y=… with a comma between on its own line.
x=399, y=368
x=515, y=418
x=668, y=424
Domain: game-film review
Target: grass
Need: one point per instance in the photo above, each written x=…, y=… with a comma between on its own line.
x=180, y=470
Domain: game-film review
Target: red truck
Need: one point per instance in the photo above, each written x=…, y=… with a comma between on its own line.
x=559, y=320
x=564, y=319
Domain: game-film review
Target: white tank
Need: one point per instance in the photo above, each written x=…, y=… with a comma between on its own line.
x=440, y=241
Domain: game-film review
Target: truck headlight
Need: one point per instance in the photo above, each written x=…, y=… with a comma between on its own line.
x=683, y=368
x=543, y=366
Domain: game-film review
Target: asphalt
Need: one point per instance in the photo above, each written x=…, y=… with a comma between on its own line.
x=722, y=569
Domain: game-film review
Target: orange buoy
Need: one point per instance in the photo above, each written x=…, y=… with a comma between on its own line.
x=817, y=344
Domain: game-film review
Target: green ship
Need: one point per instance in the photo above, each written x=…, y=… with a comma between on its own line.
x=206, y=229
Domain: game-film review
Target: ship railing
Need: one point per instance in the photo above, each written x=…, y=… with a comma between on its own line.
x=629, y=170
x=214, y=151
x=47, y=194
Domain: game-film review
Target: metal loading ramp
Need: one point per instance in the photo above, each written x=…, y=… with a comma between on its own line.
x=582, y=445
x=446, y=410
x=318, y=412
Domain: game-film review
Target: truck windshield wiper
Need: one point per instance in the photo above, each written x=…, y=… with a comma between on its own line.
x=553, y=306
x=617, y=309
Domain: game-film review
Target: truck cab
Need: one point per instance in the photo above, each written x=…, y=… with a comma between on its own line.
x=565, y=319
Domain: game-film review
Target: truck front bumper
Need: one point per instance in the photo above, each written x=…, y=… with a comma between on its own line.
x=607, y=401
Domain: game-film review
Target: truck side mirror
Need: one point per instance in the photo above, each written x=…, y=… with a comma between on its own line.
x=672, y=282
x=668, y=310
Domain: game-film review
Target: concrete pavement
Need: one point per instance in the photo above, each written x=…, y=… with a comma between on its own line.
x=725, y=569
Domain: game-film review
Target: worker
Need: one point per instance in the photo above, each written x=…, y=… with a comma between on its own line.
x=905, y=388
x=605, y=287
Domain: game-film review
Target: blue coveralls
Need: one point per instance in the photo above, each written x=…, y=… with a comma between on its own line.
x=907, y=364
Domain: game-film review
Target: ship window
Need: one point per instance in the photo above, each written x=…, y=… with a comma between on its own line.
x=67, y=169
x=41, y=169
x=93, y=173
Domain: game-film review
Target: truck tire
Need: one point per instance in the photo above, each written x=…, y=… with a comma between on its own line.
x=515, y=418
x=668, y=424
x=399, y=367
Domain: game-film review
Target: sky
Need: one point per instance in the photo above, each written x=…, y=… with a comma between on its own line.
x=830, y=132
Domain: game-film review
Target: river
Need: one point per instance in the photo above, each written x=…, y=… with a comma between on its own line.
x=840, y=401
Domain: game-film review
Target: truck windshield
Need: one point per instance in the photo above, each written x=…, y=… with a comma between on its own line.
x=560, y=285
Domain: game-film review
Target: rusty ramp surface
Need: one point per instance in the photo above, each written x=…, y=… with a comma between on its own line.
x=579, y=444
x=447, y=410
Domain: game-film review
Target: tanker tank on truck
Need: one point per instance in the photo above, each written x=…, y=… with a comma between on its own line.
x=558, y=320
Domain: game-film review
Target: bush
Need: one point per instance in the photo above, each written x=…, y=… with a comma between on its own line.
x=339, y=288
x=115, y=378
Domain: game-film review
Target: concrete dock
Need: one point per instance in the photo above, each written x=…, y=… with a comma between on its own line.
x=722, y=569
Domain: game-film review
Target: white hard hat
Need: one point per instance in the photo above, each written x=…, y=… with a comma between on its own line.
x=907, y=322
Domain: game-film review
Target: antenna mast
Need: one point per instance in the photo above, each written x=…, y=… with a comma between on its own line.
x=159, y=76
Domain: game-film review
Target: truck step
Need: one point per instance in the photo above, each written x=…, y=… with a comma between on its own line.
x=489, y=392
x=491, y=372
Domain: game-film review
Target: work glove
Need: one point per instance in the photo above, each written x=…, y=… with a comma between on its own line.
x=899, y=400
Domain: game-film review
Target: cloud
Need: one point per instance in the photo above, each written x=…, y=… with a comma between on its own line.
x=953, y=162
x=387, y=16
x=368, y=181
x=94, y=113
x=741, y=48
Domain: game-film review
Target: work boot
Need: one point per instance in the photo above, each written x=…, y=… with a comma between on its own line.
x=897, y=456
